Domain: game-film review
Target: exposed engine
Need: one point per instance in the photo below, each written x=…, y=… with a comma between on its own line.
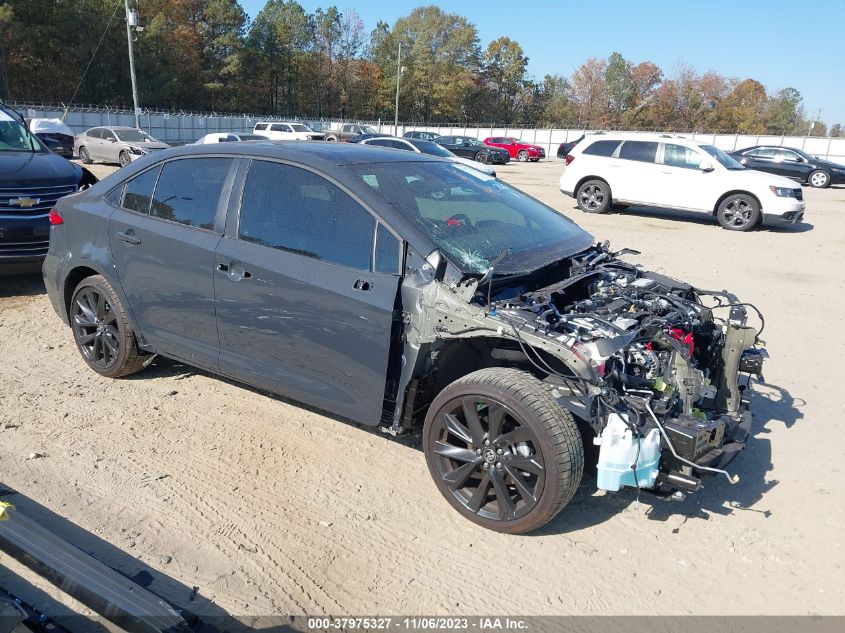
x=665, y=368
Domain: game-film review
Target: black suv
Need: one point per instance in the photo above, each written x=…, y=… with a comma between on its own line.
x=792, y=163
x=32, y=179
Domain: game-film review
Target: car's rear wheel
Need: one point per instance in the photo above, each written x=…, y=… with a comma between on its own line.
x=101, y=329
x=522, y=155
x=124, y=158
x=331, y=139
x=593, y=196
x=501, y=451
x=738, y=212
x=84, y=156
x=819, y=179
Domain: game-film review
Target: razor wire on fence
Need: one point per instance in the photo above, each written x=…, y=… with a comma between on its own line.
x=186, y=126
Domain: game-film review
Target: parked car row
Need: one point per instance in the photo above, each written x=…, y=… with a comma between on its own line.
x=421, y=146
x=616, y=170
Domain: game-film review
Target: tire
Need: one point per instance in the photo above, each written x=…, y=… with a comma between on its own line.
x=738, y=212
x=124, y=158
x=331, y=139
x=84, y=156
x=481, y=157
x=522, y=155
x=532, y=464
x=593, y=196
x=101, y=329
x=819, y=179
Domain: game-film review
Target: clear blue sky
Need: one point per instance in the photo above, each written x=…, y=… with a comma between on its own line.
x=781, y=43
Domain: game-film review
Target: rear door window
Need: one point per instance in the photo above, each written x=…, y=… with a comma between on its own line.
x=640, y=151
x=188, y=191
x=680, y=156
x=260, y=126
x=762, y=152
x=602, y=148
x=296, y=210
x=139, y=191
x=95, y=133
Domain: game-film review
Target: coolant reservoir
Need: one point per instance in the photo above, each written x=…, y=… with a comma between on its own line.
x=621, y=453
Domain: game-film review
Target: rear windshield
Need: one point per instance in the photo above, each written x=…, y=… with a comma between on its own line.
x=473, y=218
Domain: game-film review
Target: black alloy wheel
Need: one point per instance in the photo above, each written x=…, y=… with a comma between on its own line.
x=488, y=458
x=102, y=331
x=502, y=451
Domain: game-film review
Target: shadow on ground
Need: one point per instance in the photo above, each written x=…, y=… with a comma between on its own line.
x=21, y=285
x=771, y=404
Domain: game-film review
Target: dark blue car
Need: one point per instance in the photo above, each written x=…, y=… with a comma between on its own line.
x=32, y=179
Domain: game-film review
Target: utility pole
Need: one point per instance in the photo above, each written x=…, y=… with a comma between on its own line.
x=132, y=20
x=398, y=73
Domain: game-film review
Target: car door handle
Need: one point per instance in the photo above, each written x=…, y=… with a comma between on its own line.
x=234, y=270
x=129, y=238
x=364, y=285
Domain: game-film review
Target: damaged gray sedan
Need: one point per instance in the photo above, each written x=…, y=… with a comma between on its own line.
x=407, y=292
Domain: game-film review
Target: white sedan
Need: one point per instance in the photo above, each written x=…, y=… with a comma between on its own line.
x=228, y=137
x=427, y=147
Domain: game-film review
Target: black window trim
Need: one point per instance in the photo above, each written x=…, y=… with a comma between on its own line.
x=222, y=202
x=235, y=206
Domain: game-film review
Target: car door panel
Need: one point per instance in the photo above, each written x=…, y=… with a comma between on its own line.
x=165, y=266
x=298, y=310
x=301, y=327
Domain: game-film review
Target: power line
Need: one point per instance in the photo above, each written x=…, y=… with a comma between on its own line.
x=94, y=54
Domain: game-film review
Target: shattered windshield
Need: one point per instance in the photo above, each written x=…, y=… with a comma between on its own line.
x=473, y=217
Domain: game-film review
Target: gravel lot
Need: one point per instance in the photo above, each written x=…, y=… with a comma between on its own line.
x=270, y=508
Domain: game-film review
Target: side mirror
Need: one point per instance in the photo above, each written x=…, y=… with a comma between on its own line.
x=706, y=165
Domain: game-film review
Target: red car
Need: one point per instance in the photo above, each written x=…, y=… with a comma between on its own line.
x=516, y=148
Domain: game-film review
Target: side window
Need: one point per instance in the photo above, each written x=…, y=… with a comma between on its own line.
x=295, y=210
x=346, y=129
x=95, y=133
x=785, y=154
x=387, y=251
x=381, y=142
x=278, y=127
x=602, y=148
x=399, y=145
x=641, y=151
x=260, y=126
x=680, y=156
x=107, y=134
x=188, y=191
x=762, y=152
x=139, y=191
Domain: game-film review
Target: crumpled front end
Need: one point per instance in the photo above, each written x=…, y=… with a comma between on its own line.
x=659, y=369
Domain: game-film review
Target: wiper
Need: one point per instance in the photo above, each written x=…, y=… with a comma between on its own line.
x=488, y=276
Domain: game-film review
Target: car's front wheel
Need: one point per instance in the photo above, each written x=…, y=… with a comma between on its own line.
x=819, y=179
x=593, y=196
x=124, y=158
x=738, y=212
x=481, y=157
x=101, y=329
x=522, y=155
x=501, y=451
x=84, y=156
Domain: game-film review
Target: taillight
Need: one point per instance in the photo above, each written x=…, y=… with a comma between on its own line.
x=55, y=217
x=569, y=158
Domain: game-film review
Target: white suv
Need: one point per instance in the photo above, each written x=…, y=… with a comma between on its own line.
x=659, y=171
x=287, y=131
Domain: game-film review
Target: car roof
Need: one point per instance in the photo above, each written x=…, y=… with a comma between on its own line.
x=306, y=152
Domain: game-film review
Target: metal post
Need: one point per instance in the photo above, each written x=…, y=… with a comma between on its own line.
x=398, y=74
x=132, y=65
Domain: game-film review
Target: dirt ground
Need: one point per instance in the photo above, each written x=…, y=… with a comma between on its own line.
x=269, y=508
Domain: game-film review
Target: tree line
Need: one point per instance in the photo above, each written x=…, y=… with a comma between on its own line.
x=207, y=55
